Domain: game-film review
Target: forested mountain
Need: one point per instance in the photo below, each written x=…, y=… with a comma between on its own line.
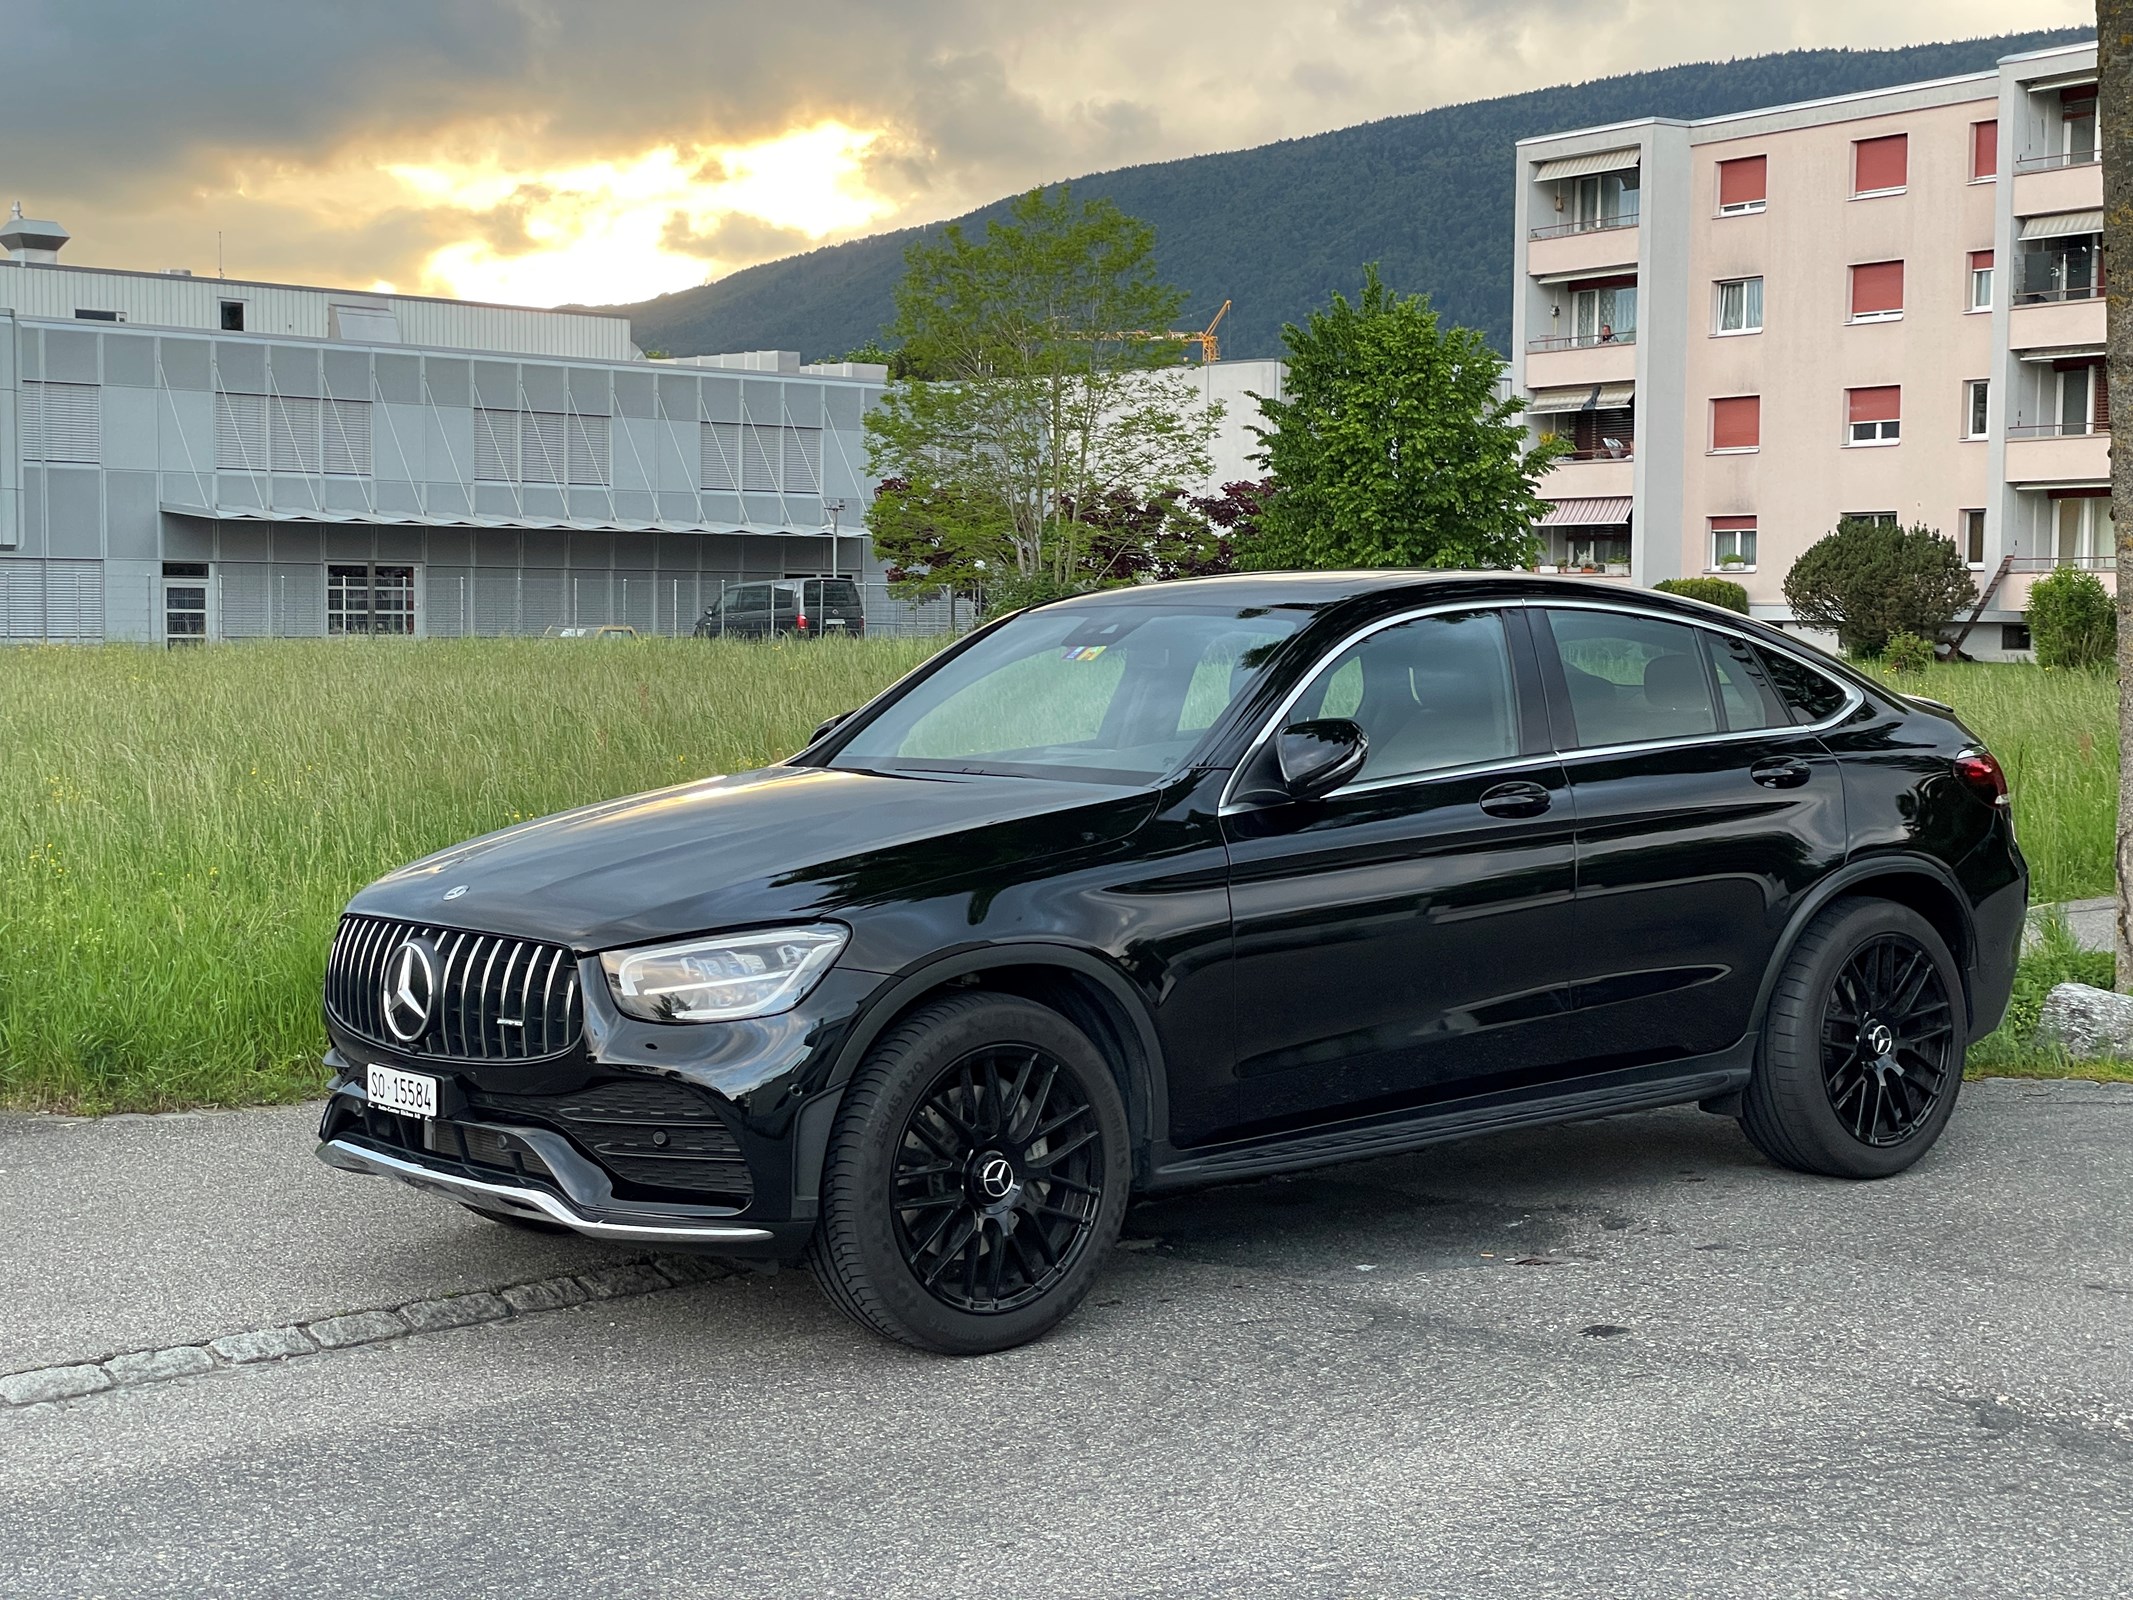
x=1277, y=228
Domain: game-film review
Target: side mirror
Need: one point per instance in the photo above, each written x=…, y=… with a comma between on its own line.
x=1318, y=757
x=828, y=727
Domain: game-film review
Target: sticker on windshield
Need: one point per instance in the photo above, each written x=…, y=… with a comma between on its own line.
x=1085, y=652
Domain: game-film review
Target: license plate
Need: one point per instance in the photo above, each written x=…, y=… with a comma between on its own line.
x=833, y=622
x=409, y=1093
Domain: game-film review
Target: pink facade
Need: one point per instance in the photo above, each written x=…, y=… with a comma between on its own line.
x=1883, y=305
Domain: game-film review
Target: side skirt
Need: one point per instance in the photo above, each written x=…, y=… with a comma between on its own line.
x=1703, y=1078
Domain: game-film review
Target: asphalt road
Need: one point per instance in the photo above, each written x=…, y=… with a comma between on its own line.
x=1622, y=1359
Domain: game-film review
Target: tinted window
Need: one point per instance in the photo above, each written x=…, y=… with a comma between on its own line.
x=1806, y=693
x=1632, y=678
x=1747, y=700
x=1432, y=693
x=1110, y=693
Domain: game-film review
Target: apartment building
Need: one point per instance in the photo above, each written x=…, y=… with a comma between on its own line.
x=1884, y=305
x=186, y=458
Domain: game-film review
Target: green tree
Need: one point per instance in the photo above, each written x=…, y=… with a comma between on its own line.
x=1391, y=445
x=1712, y=591
x=1868, y=580
x=1034, y=397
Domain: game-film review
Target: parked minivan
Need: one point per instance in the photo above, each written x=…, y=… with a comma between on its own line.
x=798, y=608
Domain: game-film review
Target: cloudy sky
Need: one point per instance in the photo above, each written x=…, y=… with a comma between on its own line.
x=606, y=150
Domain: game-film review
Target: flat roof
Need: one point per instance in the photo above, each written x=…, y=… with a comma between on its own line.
x=308, y=288
x=1856, y=96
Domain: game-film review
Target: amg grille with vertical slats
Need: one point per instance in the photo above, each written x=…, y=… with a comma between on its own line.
x=495, y=998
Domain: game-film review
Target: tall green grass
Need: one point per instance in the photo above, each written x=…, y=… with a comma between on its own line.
x=178, y=831
x=2056, y=733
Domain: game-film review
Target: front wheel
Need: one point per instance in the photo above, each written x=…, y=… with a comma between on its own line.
x=1862, y=1054
x=976, y=1179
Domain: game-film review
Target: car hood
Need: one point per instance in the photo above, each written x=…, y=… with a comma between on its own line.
x=784, y=842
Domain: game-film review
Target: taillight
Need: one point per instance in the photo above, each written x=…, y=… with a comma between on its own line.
x=1980, y=769
x=803, y=620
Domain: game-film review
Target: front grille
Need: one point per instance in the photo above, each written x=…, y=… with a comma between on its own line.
x=495, y=998
x=649, y=1131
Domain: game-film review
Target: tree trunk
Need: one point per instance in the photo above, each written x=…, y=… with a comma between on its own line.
x=2114, y=39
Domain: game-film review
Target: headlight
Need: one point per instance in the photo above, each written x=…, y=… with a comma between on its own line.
x=724, y=979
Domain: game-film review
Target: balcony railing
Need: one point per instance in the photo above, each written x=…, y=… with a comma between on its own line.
x=2054, y=430
x=1620, y=450
x=2053, y=563
x=2043, y=297
x=1557, y=230
x=1581, y=341
x=2056, y=160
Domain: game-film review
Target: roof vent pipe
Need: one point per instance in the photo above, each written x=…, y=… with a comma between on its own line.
x=27, y=240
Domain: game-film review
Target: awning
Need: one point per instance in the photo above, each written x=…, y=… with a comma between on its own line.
x=389, y=519
x=2062, y=224
x=1581, y=397
x=1600, y=512
x=2062, y=352
x=1584, y=166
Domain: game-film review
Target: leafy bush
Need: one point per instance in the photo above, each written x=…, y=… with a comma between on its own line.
x=1906, y=652
x=2072, y=620
x=1713, y=591
x=1868, y=580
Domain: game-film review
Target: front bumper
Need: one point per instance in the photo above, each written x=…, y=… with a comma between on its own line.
x=511, y=1199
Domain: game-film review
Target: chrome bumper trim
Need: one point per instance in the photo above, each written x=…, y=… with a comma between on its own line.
x=525, y=1202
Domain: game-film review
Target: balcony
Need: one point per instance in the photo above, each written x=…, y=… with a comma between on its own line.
x=2049, y=320
x=1579, y=358
x=1591, y=475
x=2045, y=184
x=2050, y=453
x=1607, y=244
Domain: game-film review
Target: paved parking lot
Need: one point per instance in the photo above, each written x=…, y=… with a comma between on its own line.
x=1625, y=1358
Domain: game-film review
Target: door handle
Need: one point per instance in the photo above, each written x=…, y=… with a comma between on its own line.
x=1785, y=772
x=1515, y=800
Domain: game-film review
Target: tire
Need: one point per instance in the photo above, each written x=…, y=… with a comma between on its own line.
x=527, y=1224
x=976, y=1177
x=1839, y=1089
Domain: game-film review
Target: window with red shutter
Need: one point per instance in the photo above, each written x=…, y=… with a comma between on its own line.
x=1880, y=165
x=1742, y=185
x=1732, y=542
x=1877, y=290
x=1875, y=415
x=1981, y=280
x=1984, y=149
x=1737, y=422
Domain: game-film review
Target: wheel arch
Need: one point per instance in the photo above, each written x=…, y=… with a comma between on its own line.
x=1081, y=986
x=1921, y=883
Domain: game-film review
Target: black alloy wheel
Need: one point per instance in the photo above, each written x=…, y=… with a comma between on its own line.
x=1885, y=1036
x=999, y=1178
x=976, y=1177
x=1861, y=1057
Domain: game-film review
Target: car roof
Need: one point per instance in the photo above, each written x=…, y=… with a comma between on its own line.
x=1332, y=588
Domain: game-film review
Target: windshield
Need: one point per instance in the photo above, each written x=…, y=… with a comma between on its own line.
x=1105, y=694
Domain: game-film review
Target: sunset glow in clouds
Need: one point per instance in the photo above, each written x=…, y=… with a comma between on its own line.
x=626, y=230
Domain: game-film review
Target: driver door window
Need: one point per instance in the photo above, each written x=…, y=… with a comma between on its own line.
x=1429, y=694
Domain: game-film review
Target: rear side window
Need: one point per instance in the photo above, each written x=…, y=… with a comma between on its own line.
x=1631, y=679
x=1807, y=694
x=1429, y=694
x=1744, y=696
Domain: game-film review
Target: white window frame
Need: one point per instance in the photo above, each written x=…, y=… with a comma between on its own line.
x=1972, y=387
x=1976, y=563
x=2094, y=537
x=1874, y=435
x=1722, y=538
x=1718, y=309
x=1981, y=287
x=2089, y=376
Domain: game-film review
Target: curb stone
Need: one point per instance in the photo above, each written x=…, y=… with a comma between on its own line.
x=134, y=1368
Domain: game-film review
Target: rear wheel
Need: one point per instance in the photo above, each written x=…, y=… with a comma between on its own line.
x=1862, y=1054
x=976, y=1177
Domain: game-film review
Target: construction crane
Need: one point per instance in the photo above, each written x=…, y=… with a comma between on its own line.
x=1210, y=346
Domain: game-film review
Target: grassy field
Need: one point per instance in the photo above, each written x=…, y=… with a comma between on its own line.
x=179, y=830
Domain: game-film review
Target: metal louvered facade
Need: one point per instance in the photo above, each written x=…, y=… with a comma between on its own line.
x=492, y=998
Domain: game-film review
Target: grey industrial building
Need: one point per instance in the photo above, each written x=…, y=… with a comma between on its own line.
x=192, y=457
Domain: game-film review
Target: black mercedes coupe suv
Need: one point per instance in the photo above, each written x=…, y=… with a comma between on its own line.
x=1182, y=884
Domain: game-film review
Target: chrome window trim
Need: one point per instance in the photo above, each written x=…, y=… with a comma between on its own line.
x=1853, y=697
